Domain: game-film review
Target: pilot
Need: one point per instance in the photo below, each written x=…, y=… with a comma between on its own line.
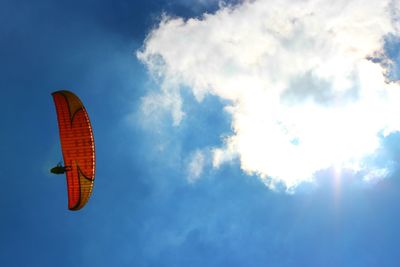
x=59, y=169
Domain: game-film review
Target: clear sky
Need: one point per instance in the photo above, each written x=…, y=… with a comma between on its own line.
x=255, y=133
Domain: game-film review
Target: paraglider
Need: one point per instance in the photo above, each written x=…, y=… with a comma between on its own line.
x=77, y=145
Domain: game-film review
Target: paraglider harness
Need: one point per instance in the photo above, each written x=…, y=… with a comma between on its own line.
x=59, y=169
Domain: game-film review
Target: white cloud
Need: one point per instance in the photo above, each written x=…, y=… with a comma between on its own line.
x=196, y=166
x=303, y=91
x=154, y=104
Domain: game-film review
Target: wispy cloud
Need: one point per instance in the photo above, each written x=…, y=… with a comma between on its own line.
x=305, y=81
x=196, y=166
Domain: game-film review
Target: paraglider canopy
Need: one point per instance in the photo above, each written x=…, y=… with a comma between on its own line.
x=77, y=146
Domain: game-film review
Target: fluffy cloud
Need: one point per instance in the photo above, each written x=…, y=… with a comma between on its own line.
x=306, y=82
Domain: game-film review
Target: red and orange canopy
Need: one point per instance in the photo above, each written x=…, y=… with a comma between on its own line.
x=77, y=145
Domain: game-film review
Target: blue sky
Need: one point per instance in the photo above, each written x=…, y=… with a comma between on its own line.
x=144, y=211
